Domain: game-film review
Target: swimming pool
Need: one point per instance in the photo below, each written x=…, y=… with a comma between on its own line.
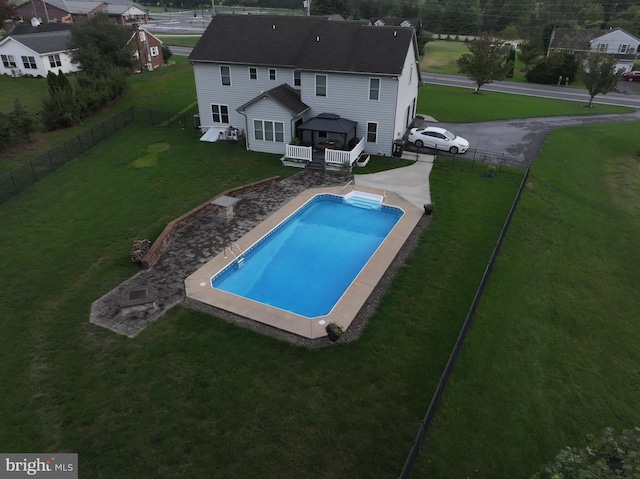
x=307, y=263
x=198, y=285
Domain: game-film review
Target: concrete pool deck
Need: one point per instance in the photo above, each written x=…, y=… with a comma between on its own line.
x=198, y=285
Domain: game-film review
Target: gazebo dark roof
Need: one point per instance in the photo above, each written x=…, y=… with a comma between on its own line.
x=330, y=123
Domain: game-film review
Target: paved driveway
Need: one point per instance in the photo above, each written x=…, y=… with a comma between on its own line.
x=520, y=138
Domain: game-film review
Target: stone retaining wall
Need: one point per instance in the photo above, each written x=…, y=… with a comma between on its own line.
x=173, y=226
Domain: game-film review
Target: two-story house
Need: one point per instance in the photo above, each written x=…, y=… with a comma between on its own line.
x=146, y=48
x=340, y=86
x=622, y=45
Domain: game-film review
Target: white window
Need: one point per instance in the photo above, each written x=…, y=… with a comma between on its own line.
x=279, y=131
x=225, y=75
x=154, y=51
x=272, y=74
x=253, y=73
x=602, y=47
x=374, y=89
x=220, y=113
x=623, y=48
x=29, y=63
x=297, y=81
x=268, y=130
x=372, y=132
x=258, y=130
x=54, y=61
x=142, y=36
x=8, y=61
x=321, y=85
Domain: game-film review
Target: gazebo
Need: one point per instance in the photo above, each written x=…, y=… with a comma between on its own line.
x=328, y=130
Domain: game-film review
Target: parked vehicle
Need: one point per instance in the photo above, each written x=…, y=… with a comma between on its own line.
x=631, y=76
x=438, y=138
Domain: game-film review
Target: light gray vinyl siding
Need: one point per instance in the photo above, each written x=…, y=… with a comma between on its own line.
x=348, y=96
x=268, y=110
x=242, y=89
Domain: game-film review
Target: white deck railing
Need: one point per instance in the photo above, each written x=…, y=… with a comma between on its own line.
x=299, y=152
x=340, y=157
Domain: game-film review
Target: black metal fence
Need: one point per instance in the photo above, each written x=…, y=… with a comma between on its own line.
x=423, y=431
x=497, y=159
x=16, y=181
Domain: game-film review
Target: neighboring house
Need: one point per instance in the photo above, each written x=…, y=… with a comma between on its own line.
x=147, y=49
x=36, y=50
x=79, y=11
x=395, y=22
x=622, y=45
x=339, y=87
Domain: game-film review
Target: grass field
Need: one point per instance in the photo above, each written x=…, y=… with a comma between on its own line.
x=451, y=104
x=552, y=355
x=180, y=40
x=168, y=89
x=192, y=393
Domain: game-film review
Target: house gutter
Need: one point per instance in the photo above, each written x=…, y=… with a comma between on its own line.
x=246, y=129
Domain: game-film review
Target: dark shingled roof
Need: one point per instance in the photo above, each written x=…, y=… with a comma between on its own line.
x=25, y=28
x=573, y=39
x=329, y=122
x=283, y=94
x=46, y=42
x=307, y=43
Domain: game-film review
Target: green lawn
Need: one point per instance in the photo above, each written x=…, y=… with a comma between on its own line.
x=441, y=56
x=179, y=41
x=168, y=89
x=461, y=105
x=553, y=353
x=193, y=394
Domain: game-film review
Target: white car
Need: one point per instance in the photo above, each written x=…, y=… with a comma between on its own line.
x=438, y=138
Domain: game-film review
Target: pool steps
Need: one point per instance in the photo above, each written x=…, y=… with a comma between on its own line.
x=362, y=199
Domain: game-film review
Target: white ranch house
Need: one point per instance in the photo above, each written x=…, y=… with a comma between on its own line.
x=36, y=50
x=307, y=86
x=622, y=45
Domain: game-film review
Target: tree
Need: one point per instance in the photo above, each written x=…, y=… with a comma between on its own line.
x=7, y=11
x=330, y=7
x=603, y=457
x=529, y=52
x=549, y=70
x=24, y=122
x=99, y=45
x=599, y=74
x=486, y=62
x=166, y=53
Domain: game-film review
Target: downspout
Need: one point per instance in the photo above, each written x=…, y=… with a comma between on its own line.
x=246, y=129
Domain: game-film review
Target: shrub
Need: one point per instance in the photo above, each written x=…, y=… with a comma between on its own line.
x=547, y=70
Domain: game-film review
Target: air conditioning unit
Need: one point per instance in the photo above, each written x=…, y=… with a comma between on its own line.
x=15, y=72
x=149, y=66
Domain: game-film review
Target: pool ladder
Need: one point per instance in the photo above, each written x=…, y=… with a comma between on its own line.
x=240, y=258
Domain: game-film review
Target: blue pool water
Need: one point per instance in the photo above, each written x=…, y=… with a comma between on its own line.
x=308, y=262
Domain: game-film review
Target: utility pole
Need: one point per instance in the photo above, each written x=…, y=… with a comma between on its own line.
x=307, y=4
x=213, y=7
